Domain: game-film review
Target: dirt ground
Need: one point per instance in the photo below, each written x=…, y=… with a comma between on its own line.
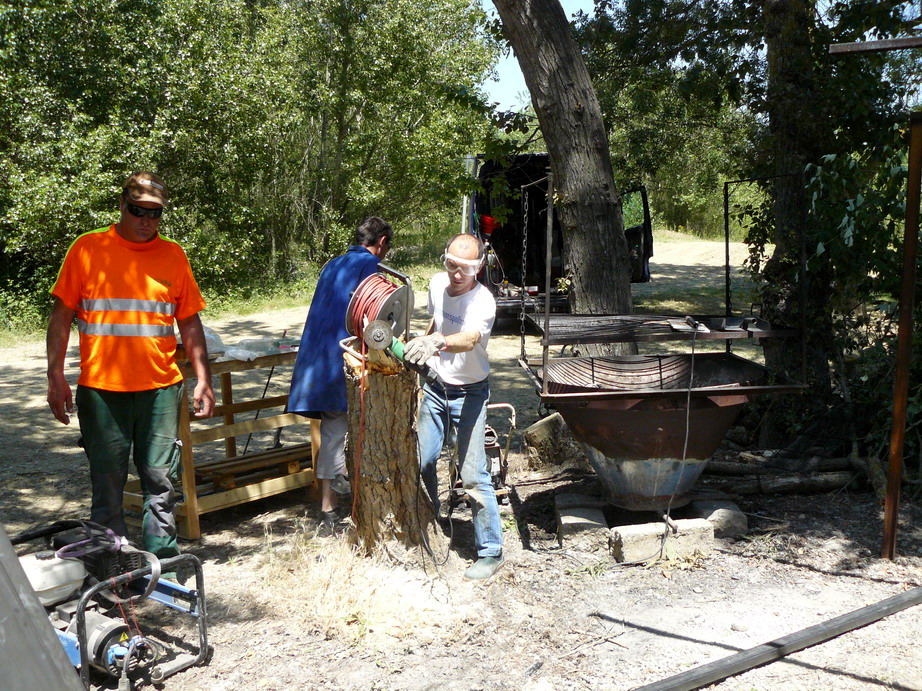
x=288, y=609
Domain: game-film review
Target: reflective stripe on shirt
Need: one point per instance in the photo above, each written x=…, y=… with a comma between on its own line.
x=145, y=330
x=127, y=305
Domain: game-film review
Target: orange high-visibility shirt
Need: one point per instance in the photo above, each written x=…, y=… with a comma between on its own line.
x=127, y=296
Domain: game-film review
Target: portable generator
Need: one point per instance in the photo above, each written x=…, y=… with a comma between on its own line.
x=86, y=577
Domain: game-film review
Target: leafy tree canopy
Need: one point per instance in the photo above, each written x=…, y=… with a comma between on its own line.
x=278, y=125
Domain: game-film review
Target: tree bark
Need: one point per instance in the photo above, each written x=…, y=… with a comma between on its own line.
x=799, y=134
x=596, y=253
x=390, y=502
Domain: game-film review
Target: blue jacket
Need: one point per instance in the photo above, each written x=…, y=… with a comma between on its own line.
x=318, y=383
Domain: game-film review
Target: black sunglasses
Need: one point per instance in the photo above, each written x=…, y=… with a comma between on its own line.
x=141, y=212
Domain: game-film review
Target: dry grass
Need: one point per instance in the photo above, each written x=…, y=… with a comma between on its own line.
x=376, y=601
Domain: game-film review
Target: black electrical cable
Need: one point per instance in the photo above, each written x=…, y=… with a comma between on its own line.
x=419, y=472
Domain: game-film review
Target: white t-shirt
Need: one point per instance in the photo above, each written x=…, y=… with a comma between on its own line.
x=474, y=310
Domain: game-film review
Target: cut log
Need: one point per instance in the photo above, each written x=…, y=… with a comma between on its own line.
x=757, y=464
x=390, y=502
x=789, y=484
x=549, y=442
x=731, y=468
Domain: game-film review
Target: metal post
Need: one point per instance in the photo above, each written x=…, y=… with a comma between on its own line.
x=464, y=224
x=728, y=308
x=547, y=277
x=728, y=311
x=904, y=337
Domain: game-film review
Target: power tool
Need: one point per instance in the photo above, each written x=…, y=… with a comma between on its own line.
x=379, y=311
x=378, y=335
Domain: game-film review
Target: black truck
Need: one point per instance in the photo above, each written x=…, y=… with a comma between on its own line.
x=509, y=213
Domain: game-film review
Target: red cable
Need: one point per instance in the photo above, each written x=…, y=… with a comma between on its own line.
x=118, y=600
x=369, y=297
x=358, y=446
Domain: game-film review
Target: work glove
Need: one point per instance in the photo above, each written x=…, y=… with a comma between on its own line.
x=422, y=348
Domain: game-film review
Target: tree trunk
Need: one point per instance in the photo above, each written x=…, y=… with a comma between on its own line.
x=798, y=135
x=596, y=253
x=390, y=501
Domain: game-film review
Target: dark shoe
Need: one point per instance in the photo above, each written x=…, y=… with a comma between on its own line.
x=340, y=485
x=483, y=568
x=328, y=522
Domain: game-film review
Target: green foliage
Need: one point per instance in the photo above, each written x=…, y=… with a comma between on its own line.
x=670, y=99
x=691, y=99
x=277, y=125
x=869, y=373
x=858, y=205
x=856, y=237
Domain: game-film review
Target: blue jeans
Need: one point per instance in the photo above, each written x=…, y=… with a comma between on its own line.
x=465, y=409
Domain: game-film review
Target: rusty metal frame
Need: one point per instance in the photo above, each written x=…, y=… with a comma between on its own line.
x=904, y=337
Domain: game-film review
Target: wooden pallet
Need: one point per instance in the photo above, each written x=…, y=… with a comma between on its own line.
x=237, y=478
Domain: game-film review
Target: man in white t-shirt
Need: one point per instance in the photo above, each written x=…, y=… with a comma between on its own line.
x=455, y=347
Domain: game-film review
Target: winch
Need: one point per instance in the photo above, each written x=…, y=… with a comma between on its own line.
x=377, y=298
x=87, y=578
x=378, y=313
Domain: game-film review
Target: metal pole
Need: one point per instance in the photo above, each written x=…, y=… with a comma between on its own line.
x=904, y=337
x=727, y=311
x=780, y=647
x=464, y=224
x=547, y=277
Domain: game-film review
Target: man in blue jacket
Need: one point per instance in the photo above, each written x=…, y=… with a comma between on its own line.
x=318, y=383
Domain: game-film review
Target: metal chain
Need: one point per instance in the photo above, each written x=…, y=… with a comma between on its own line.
x=524, y=191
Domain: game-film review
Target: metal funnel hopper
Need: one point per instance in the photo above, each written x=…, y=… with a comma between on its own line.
x=649, y=423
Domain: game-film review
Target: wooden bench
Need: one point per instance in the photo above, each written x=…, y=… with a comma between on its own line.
x=237, y=478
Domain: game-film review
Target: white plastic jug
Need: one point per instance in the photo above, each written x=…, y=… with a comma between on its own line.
x=53, y=579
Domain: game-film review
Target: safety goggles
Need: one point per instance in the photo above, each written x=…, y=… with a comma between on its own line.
x=453, y=264
x=141, y=212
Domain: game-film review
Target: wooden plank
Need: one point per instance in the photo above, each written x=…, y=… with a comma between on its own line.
x=132, y=501
x=227, y=397
x=239, y=428
x=281, y=358
x=201, y=498
x=247, y=406
x=256, y=490
x=225, y=482
x=255, y=460
x=190, y=523
x=315, y=447
x=876, y=46
x=234, y=477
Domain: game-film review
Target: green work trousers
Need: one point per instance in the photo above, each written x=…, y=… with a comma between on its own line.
x=111, y=424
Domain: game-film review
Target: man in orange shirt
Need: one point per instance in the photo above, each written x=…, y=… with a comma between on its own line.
x=127, y=285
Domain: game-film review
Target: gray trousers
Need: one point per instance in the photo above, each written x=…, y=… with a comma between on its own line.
x=331, y=457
